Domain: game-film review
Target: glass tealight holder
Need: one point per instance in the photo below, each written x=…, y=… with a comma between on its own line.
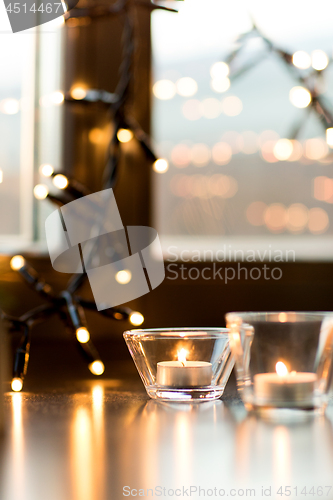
x=283, y=360
x=182, y=364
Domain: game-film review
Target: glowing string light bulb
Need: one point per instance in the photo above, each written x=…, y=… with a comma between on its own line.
x=82, y=335
x=124, y=135
x=123, y=277
x=300, y=97
x=78, y=93
x=40, y=191
x=160, y=166
x=60, y=181
x=97, y=367
x=136, y=318
x=301, y=59
x=319, y=60
x=17, y=262
x=17, y=384
x=46, y=170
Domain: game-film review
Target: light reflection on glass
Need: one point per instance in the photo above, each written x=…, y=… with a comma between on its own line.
x=99, y=440
x=281, y=455
x=18, y=446
x=82, y=457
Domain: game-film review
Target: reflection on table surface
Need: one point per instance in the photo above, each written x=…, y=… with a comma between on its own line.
x=106, y=440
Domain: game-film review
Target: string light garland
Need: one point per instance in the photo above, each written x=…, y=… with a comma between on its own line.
x=307, y=70
x=68, y=305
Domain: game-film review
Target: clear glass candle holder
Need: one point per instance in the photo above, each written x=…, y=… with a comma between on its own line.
x=283, y=360
x=182, y=364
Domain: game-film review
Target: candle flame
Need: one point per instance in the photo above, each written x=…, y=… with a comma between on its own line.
x=182, y=356
x=281, y=369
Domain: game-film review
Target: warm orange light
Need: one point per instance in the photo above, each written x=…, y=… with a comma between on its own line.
x=78, y=93
x=17, y=262
x=283, y=318
x=82, y=335
x=46, y=170
x=40, y=191
x=281, y=369
x=124, y=135
x=136, y=318
x=182, y=356
x=97, y=367
x=17, y=384
x=123, y=277
x=60, y=181
x=160, y=166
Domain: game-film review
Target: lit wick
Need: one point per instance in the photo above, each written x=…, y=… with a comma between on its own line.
x=281, y=369
x=182, y=356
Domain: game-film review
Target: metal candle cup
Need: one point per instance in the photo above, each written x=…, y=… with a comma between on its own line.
x=292, y=390
x=188, y=374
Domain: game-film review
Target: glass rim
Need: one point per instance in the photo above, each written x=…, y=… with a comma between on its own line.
x=279, y=316
x=181, y=332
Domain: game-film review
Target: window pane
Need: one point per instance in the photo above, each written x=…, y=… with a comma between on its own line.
x=236, y=167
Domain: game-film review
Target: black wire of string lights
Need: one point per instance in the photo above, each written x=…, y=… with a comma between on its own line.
x=308, y=73
x=68, y=304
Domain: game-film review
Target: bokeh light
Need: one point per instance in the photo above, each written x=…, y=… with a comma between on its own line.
x=234, y=139
x=323, y=189
x=219, y=70
x=123, y=277
x=211, y=108
x=124, y=135
x=192, y=109
x=46, y=170
x=57, y=97
x=181, y=155
x=9, y=106
x=164, y=89
x=318, y=221
x=301, y=59
x=60, y=181
x=316, y=148
x=186, y=86
x=300, y=97
x=267, y=151
x=200, y=155
x=275, y=217
x=40, y=191
x=250, y=142
x=319, y=60
x=78, y=92
x=160, y=166
x=283, y=149
x=232, y=105
x=297, y=151
x=297, y=215
x=329, y=137
x=221, y=153
x=220, y=84
x=255, y=213
x=97, y=135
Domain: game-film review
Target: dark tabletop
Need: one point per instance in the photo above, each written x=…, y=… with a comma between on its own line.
x=98, y=440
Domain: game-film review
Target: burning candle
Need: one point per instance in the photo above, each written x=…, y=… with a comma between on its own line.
x=284, y=389
x=183, y=373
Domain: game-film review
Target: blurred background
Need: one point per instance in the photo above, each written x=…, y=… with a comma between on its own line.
x=249, y=164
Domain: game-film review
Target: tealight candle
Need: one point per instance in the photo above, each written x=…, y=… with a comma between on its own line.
x=283, y=388
x=183, y=373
